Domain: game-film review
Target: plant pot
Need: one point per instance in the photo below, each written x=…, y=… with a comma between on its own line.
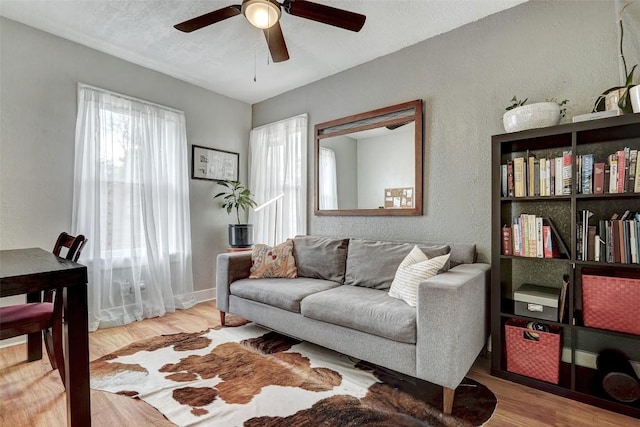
x=612, y=98
x=538, y=115
x=240, y=235
x=635, y=98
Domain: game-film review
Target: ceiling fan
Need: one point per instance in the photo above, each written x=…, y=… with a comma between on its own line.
x=265, y=15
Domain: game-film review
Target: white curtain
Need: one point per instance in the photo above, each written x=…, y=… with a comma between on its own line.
x=327, y=179
x=131, y=201
x=278, y=165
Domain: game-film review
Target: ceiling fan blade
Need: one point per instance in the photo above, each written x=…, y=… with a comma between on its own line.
x=326, y=14
x=209, y=18
x=275, y=41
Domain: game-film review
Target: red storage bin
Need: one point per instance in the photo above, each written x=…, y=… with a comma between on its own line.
x=538, y=359
x=611, y=303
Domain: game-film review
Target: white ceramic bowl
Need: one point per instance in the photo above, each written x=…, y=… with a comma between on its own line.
x=538, y=115
x=635, y=98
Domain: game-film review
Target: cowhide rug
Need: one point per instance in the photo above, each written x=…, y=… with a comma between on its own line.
x=249, y=376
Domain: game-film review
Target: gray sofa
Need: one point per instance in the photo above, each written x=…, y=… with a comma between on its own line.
x=340, y=301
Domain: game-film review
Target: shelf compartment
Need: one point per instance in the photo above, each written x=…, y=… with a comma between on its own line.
x=588, y=384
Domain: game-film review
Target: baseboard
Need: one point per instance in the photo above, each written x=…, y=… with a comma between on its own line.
x=199, y=296
x=205, y=295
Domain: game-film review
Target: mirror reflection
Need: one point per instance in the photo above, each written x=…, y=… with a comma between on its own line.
x=371, y=164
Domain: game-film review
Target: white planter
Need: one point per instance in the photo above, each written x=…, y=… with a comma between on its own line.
x=635, y=98
x=538, y=115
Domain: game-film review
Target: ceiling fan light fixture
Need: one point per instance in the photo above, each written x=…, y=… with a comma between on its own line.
x=261, y=13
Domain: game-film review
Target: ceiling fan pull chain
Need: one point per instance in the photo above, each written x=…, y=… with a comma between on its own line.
x=255, y=62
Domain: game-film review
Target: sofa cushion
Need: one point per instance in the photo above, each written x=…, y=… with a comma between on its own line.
x=413, y=270
x=373, y=264
x=321, y=257
x=364, y=309
x=278, y=261
x=282, y=293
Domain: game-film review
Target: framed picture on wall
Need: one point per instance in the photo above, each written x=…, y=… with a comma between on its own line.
x=213, y=164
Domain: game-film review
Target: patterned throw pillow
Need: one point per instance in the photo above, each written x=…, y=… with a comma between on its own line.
x=273, y=262
x=414, y=269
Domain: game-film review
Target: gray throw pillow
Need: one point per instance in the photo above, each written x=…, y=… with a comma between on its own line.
x=321, y=257
x=373, y=264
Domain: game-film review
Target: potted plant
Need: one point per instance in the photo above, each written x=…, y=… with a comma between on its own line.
x=237, y=196
x=619, y=96
x=537, y=115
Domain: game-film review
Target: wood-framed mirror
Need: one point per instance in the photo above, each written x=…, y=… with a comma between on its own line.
x=370, y=164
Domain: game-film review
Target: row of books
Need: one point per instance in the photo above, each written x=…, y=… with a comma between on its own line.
x=618, y=174
x=532, y=236
x=613, y=240
x=529, y=176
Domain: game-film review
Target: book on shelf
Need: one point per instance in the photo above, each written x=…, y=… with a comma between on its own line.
x=591, y=243
x=598, y=178
x=550, y=250
x=536, y=177
x=613, y=175
x=586, y=173
x=578, y=172
x=582, y=235
x=566, y=172
x=510, y=188
x=531, y=161
x=539, y=241
x=503, y=180
x=507, y=241
x=636, y=181
x=559, y=172
x=621, y=155
x=551, y=165
x=546, y=177
x=633, y=160
x=519, y=177
x=633, y=242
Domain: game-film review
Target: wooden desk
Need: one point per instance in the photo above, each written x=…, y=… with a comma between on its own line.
x=30, y=271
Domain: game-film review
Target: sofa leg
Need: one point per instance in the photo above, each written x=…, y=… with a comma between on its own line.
x=447, y=400
x=222, y=314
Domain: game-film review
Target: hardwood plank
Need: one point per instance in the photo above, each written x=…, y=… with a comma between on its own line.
x=31, y=394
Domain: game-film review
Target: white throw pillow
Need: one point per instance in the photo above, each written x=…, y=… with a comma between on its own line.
x=414, y=269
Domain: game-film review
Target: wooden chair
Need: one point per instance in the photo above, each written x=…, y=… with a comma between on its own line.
x=46, y=316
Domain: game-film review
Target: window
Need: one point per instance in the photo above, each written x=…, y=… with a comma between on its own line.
x=277, y=165
x=131, y=200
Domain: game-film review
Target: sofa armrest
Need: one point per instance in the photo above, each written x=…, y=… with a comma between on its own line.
x=229, y=268
x=452, y=323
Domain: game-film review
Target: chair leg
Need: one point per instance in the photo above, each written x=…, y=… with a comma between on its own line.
x=48, y=345
x=447, y=400
x=54, y=345
x=222, y=315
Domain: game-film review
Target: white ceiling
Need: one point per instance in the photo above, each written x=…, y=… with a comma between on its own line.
x=226, y=56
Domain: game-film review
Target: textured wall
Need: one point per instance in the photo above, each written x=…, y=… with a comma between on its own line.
x=38, y=112
x=466, y=78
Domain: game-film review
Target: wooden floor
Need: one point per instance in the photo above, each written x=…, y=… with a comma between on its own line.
x=31, y=394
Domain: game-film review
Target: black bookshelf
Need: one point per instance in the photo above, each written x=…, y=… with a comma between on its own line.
x=576, y=382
